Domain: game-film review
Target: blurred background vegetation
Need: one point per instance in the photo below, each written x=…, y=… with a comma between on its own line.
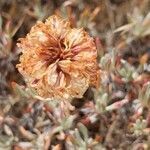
x=116, y=115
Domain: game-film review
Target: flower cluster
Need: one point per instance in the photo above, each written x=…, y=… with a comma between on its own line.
x=58, y=61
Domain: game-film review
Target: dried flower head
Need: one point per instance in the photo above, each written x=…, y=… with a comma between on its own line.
x=58, y=61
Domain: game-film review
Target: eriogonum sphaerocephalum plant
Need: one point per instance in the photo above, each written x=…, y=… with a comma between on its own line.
x=58, y=61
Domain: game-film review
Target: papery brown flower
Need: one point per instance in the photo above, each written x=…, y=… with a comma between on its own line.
x=57, y=61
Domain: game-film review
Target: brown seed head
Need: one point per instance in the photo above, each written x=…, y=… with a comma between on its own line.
x=58, y=61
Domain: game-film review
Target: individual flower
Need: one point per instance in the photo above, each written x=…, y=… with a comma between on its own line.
x=58, y=61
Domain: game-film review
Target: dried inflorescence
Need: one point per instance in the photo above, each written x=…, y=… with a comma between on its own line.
x=57, y=61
